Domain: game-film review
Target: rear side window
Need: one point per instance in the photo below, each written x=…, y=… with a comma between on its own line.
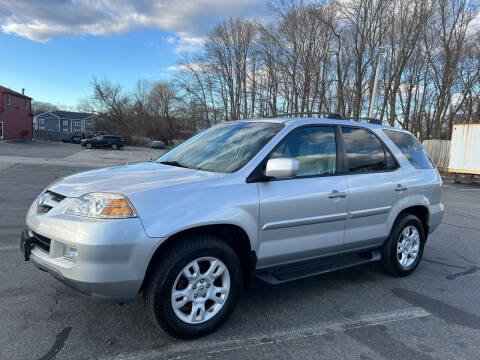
x=411, y=148
x=365, y=152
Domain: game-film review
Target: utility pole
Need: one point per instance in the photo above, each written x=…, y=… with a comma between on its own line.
x=372, y=99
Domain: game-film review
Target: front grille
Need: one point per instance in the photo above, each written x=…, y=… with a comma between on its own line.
x=48, y=200
x=55, y=197
x=42, y=242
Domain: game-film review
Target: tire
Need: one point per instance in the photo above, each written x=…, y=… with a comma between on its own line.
x=401, y=264
x=89, y=146
x=167, y=274
x=114, y=147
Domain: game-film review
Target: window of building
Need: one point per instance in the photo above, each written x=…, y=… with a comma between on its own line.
x=41, y=121
x=76, y=123
x=41, y=128
x=314, y=148
x=66, y=130
x=9, y=100
x=365, y=152
x=411, y=148
x=65, y=122
x=26, y=104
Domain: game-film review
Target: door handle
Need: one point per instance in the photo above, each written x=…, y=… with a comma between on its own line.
x=400, y=187
x=335, y=194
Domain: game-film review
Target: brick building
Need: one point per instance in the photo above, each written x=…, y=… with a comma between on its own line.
x=15, y=115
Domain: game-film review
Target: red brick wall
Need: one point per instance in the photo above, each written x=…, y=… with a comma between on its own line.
x=15, y=117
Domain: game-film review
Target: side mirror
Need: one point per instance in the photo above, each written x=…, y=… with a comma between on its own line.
x=281, y=168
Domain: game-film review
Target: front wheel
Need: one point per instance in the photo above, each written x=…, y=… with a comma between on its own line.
x=403, y=249
x=114, y=147
x=89, y=146
x=194, y=287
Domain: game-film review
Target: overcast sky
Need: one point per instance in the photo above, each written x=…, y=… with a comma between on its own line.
x=53, y=48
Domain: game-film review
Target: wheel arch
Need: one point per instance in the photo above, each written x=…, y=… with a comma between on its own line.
x=420, y=211
x=233, y=235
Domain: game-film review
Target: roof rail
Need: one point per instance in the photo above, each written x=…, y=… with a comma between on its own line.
x=329, y=115
x=367, y=119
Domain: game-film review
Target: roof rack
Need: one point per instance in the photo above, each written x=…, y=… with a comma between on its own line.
x=367, y=119
x=329, y=115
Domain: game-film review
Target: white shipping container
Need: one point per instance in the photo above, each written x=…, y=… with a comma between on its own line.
x=465, y=149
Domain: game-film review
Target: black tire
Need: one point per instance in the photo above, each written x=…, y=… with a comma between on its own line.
x=114, y=147
x=390, y=261
x=161, y=278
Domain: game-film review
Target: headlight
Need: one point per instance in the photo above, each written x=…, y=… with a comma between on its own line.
x=102, y=205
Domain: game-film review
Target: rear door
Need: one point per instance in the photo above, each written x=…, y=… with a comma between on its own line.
x=375, y=187
x=303, y=217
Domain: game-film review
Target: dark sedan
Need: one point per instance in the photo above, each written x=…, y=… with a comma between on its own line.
x=104, y=141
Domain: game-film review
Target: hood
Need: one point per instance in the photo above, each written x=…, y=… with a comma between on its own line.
x=129, y=179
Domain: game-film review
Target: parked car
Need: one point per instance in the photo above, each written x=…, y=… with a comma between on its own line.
x=76, y=139
x=280, y=199
x=157, y=144
x=104, y=141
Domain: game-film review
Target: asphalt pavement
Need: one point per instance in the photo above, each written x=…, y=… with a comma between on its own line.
x=358, y=313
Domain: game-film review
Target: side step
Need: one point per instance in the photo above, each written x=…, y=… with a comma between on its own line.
x=313, y=267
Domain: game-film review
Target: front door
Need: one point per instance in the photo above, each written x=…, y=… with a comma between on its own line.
x=1, y=130
x=100, y=141
x=303, y=217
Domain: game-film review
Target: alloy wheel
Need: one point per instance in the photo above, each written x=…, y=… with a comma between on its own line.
x=408, y=246
x=200, y=290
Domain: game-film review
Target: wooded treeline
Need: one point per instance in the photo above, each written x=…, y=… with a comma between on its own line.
x=319, y=56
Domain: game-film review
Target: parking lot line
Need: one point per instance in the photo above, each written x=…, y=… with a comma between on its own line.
x=205, y=347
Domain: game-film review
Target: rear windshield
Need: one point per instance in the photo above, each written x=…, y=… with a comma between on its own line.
x=411, y=148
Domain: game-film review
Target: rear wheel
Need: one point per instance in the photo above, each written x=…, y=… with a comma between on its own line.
x=403, y=249
x=89, y=146
x=194, y=287
x=114, y=147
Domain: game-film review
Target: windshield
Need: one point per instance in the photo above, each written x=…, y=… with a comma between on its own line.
x=222, y=148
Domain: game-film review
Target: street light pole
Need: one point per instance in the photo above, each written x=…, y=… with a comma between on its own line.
x=372, y=100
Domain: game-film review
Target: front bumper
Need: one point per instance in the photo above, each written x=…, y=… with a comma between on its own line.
x=113, y=255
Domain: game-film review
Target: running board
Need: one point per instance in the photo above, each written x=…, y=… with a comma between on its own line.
x=308, y=268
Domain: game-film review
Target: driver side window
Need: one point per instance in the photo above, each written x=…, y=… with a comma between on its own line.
x=314, y=148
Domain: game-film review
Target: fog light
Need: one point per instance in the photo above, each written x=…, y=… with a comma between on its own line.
x=70, y=252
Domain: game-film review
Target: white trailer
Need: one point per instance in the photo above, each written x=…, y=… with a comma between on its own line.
x=465, y=150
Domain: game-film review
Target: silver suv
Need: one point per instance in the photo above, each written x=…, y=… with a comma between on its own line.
x=277, y=199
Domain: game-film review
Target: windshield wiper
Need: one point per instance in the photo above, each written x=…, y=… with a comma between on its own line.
x=174, y=163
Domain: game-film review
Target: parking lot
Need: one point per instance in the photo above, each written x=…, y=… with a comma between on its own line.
x=358, y=313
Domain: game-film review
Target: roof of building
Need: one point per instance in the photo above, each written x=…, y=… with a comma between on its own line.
x=9, y=91
x=72, y=115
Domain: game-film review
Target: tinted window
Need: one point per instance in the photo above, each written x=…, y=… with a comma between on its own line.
x=313, y=147
x=223, y=148
x=365, y=152
x=411, y=148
